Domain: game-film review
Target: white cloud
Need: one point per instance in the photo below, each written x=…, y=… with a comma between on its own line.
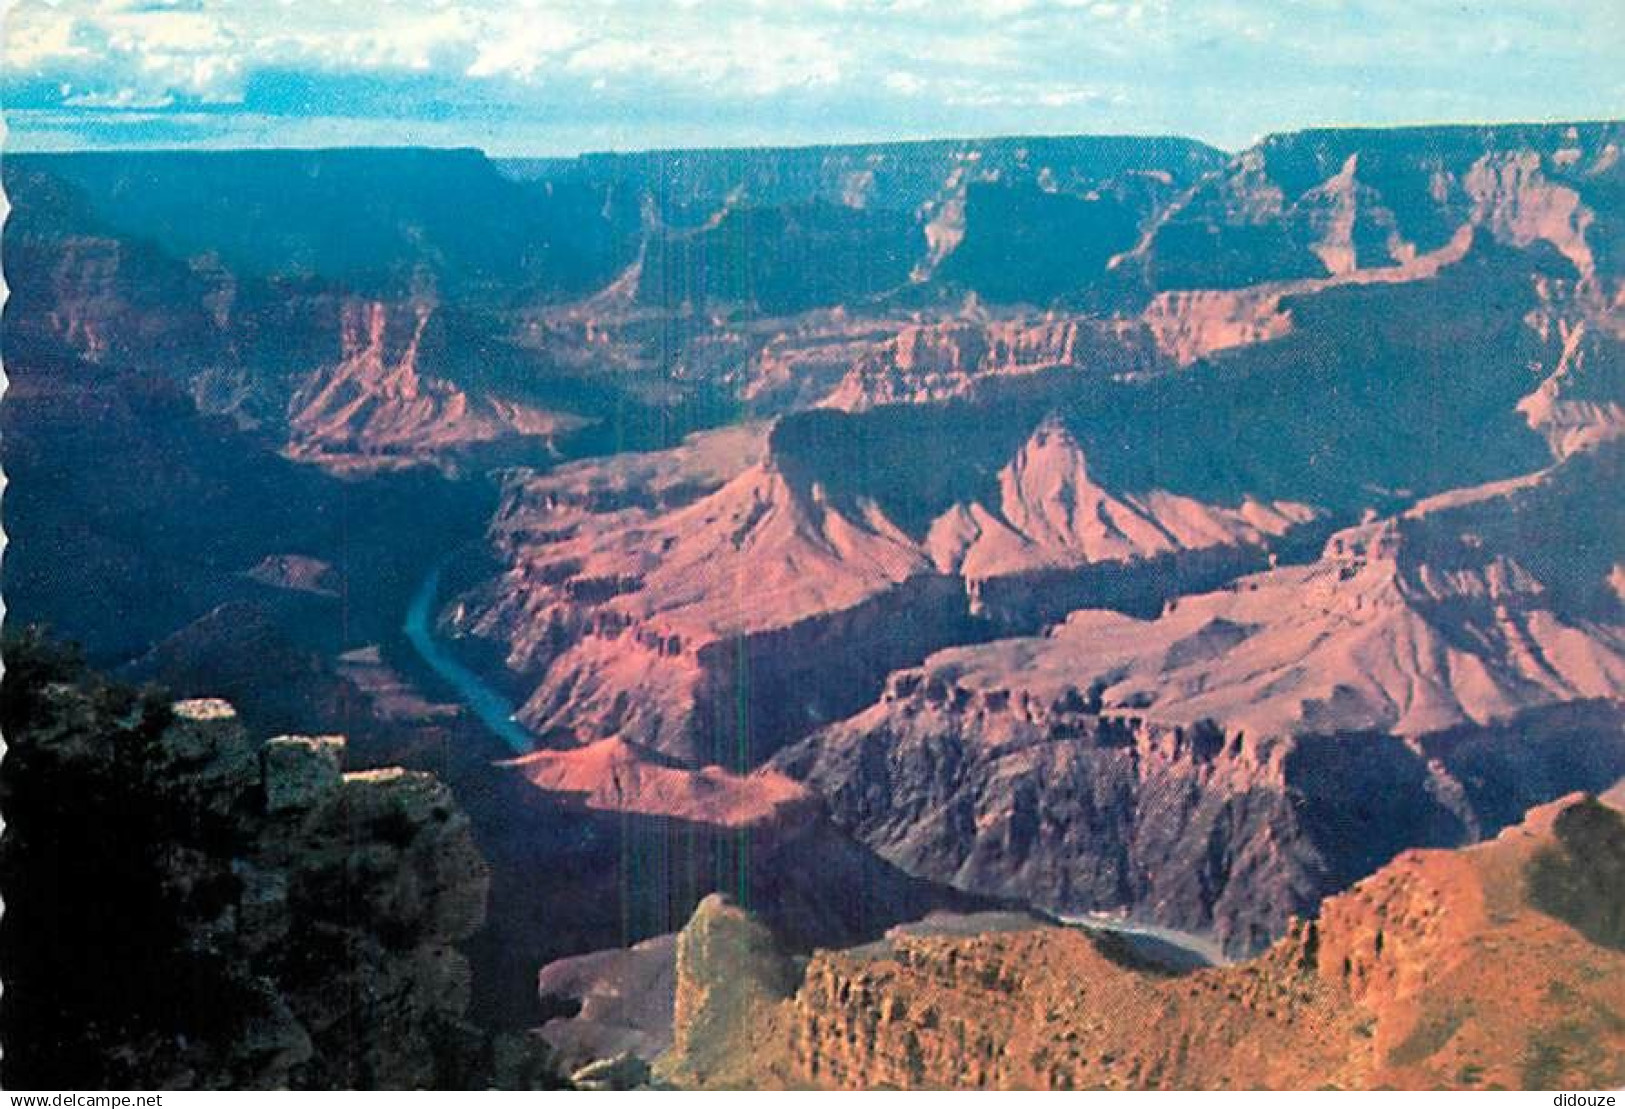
x=165, y=32
x=404, y=42
x=34, y=36
x=909, y=84
x=122, y=99
x=751, y=58
x=1224, y=68
x=523, y=45
x=614, y=56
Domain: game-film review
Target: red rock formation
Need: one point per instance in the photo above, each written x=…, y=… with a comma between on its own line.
x=633, y=616
x=942, y=359
x=1409, y=625
x=1444, y=969
x=613, y=776
x=375, y=410
x=1199, y=767
x=1052, y=514
x=642, y=592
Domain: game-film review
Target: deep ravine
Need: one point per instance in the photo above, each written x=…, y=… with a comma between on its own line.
x=490, y=707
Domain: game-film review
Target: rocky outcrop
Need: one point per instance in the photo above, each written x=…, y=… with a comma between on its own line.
x=705, y=614
x=954, y=357
x=1189, y=325
x=1193, y=324
x=1333, y=203
x=1051, y=513
x=620, y=1072
x=374, y=408
x=1582, y=401
x=703, y=611
x=684, y=835
x=614, y=776
x=729, y=969
x=1454, y=612
x=1044, y=798
x=1441, y=970
x=1197, y=768
x=623, y=998
x=278, y=922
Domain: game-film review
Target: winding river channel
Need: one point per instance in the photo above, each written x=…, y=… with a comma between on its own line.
x=1178, y=951
x=492, y=709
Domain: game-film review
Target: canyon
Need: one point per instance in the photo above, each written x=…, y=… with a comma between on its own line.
x=1012, y=529
x=1437, y=970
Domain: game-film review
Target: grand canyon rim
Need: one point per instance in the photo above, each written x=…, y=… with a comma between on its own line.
x=1051, y=544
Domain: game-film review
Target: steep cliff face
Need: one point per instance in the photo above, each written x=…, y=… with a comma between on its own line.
x=1332, y=203
x=1198, y=767
x=1457, y=611
x=1444, y=969
x=999, y=217
x=374, y=408
x=716, y=611
x=729, y=968
x=1580, y=401
x=1040, y=796
x=240, y=914
x=954, y=357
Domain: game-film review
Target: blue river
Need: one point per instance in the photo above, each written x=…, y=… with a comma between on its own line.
x=490, y=707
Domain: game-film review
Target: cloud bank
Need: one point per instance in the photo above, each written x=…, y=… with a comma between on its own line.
x=562, y=76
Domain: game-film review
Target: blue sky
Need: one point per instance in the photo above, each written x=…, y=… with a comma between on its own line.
x=562, y=76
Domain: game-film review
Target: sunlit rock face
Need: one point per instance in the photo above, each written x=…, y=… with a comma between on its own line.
x=1102, y=524
x=1422, y=974
x=1426, y=678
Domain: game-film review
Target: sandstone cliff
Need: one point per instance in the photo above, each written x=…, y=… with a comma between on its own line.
x=1462, y=969
x=374, y=407
x=717, y=600
x=1201, y=768
x=1334, y=202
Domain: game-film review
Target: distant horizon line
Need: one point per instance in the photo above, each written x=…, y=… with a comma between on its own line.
x=8, y=146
